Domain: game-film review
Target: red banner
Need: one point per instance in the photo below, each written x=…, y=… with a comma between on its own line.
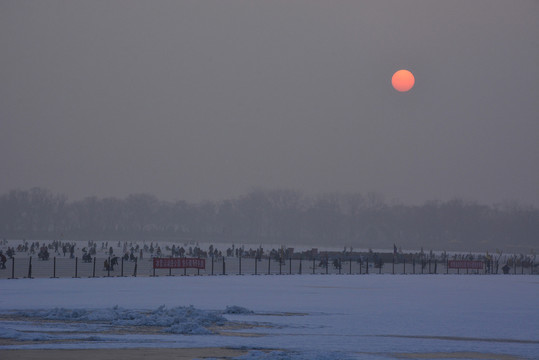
x=465, y=264
x=178, y=263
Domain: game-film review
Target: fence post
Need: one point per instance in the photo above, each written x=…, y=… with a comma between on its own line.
x=108, y=268
x=327, y=265
x=135, y=271
x=240, y=260
x=367, y=267
x=13, y=268
x=256, y=265
x=290, y=263
x=381, y=266
x=54, y=268
x=300, y=264
x=280, y=265
x=393, y=266
x=198, y=269
x=76, y=267
x=314, y=265
x=435, y=266
x=212, y=264
x=404, y=263
x=30, y=268
x=224, y=269
x=269, y=264
x=360, y=264
x=350, y=266
x=93, y=272
x=122, y=269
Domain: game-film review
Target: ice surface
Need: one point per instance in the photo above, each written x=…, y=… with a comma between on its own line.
x=297, y=317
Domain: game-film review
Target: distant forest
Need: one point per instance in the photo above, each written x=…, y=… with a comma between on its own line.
x=273, y=217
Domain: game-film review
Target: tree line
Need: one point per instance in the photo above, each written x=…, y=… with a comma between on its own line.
x=273, y=217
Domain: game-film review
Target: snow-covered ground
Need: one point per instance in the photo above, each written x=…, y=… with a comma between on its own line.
x=298, y=317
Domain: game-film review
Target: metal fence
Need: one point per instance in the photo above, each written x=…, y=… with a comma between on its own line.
x=65, y=267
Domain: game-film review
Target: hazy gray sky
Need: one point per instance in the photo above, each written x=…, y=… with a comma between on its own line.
x=209, y=99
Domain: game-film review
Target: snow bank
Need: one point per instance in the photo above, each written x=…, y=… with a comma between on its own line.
x=7, y=333
x=237, y=310
x=14, y=334
x=177, y=320
x=292, y=355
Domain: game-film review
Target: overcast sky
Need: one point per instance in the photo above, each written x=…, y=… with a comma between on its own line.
x=200, y=100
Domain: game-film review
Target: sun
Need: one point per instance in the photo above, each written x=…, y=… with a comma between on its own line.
x=403, y=80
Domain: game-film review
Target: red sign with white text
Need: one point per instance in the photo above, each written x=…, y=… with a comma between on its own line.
x=178, y=263
x=465, y=264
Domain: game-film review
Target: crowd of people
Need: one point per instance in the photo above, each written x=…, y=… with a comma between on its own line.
x=132, y=251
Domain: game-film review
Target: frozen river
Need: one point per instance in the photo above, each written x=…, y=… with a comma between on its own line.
x=305, y=317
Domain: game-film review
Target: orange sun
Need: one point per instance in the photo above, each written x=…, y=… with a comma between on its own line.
x=403, y=80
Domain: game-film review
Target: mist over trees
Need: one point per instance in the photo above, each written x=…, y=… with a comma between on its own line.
x=273, y=217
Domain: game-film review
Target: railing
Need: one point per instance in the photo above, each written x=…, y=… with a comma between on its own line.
x=64, y=267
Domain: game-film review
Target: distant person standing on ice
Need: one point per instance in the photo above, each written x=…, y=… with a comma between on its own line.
x=2, y=260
